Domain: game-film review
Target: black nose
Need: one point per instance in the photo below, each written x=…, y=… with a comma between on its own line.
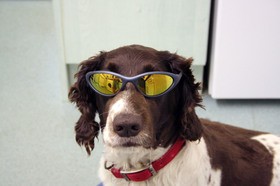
x=127, y=129
x=126, y=125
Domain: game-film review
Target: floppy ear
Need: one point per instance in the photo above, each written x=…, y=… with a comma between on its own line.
x=86, y=128
x=189, y=97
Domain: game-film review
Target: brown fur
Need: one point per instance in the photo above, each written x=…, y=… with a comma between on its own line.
x=243, y=161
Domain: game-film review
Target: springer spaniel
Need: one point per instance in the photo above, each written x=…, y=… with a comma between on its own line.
x=146, y=103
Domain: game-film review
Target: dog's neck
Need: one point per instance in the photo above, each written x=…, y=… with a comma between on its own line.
x=132, y=170
x=138, y=157
x=131, y=158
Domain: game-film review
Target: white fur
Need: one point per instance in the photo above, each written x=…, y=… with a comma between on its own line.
x=190, y=167
x=272, y=143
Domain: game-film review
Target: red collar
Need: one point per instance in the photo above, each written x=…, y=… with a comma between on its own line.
x=153, y=168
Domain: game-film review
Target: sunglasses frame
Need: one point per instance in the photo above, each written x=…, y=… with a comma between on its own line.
x=176, y=78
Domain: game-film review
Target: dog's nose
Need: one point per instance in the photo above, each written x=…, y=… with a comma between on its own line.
x=126, y=125
x=127, y=129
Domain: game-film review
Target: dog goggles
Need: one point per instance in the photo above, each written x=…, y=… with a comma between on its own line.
x=150, y=84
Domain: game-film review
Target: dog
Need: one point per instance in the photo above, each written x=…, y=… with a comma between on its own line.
x=146, y=103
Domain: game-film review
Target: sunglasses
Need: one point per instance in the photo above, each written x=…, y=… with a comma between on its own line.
x=149, y=84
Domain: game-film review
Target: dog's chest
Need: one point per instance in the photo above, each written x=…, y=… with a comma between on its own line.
x=190, y=167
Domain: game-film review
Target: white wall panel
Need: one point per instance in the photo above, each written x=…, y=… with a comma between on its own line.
x=246, y=49
x=90, y=26
x=86, y=27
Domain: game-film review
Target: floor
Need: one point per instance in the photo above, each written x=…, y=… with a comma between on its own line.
x=37, y=145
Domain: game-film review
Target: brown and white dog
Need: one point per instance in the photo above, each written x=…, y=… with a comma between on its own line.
x=160, y=140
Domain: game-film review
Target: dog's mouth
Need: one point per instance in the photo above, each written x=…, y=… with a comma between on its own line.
x=129, y=142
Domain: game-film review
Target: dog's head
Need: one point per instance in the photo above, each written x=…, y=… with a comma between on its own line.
x=129, y=118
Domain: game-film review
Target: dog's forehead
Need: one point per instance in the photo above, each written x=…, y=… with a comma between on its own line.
x=132, y=61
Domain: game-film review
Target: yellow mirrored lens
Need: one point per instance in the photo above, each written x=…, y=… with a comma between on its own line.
x=155, y=84
x=106, y=83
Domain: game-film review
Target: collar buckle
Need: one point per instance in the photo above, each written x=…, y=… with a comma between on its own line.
x=126, y=174
x=152, y=170
x=125, y=177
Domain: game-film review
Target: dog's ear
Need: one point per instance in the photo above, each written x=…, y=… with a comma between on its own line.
x=86, y=128
x=189, y=97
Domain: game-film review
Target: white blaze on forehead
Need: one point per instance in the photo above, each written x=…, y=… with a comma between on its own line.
x=118, y=107
x=122, y=105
